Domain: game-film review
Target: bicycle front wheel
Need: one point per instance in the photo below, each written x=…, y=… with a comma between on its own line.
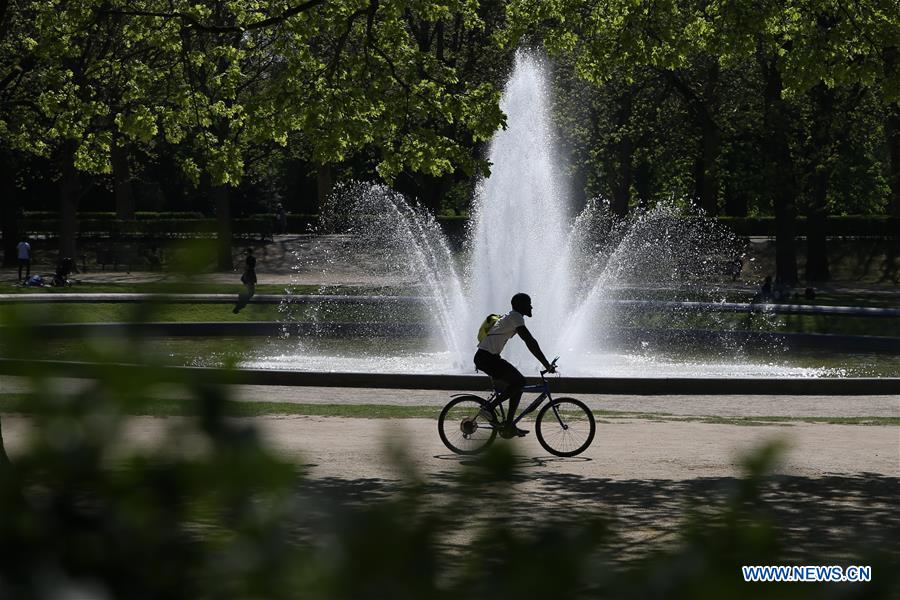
x=464, y=428
x=565, y=427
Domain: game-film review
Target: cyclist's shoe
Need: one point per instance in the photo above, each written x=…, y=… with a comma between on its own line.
x=511, y=431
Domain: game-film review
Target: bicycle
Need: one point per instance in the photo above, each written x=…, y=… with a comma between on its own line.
x=468, y=424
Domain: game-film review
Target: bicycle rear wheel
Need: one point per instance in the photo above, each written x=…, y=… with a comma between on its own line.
x=565, y=427
x=463, y=427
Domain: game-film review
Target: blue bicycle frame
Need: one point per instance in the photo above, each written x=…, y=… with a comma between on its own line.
x=497, y=398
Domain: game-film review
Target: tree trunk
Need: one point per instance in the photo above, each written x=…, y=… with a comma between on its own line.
x=707, y=177
x=324, y=185
x=579, y=187
x=221, y=195
x=892, y=131
x=890, y=272
x=780, y=175
x=9, y=210
x=736, y=202
x=701, y=107
x=68, y=203
x=428, y=190
x=4, y=459
x=816, y=241
x=642, y=183
x=122, y=181
x=624, y=148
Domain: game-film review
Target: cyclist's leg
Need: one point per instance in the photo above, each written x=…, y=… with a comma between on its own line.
x=515, y=381
x=498, y=368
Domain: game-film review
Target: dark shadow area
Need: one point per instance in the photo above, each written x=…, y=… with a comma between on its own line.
x=827, y=520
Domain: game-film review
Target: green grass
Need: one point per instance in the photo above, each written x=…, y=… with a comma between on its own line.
x=790, y=420
x=833, y=324
x=108, y=312
x=163, y=287
x=202, y=287
x=19, y=404
x=160, y=407
x=132, y=312
x=849, y=297
x=101, y=312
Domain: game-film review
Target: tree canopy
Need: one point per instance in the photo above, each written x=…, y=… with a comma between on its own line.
x=780, y=108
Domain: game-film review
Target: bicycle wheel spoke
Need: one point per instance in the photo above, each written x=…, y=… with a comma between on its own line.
x=566, y=427
x=462, y=426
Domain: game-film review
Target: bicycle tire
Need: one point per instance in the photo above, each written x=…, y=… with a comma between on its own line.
x=574, y=435
x=461, y=428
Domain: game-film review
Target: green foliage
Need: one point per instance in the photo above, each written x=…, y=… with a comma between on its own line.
x=236, y=93
x=669, y=100
x=222, y=79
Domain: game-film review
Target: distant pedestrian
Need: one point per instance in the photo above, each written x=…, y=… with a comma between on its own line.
x=248, y=278
x=23, y=250
x=280, y=219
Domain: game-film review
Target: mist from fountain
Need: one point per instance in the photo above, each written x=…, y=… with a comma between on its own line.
x=519, y=238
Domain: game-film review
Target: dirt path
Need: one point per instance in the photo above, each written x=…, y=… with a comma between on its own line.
x=623, y=449
x=353, y=448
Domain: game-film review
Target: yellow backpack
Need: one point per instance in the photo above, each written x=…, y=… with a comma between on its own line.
x=486, y=325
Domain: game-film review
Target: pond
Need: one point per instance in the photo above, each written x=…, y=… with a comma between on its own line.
x=415, y=355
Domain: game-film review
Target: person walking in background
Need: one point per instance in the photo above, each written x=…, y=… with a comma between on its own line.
x=23, y=251
x=248, y=278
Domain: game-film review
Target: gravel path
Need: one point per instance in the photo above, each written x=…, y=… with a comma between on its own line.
x=624, y=449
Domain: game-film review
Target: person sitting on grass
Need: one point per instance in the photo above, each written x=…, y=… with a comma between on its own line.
x=488, y=360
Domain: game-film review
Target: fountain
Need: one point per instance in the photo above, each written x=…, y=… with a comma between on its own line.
x=522, y=237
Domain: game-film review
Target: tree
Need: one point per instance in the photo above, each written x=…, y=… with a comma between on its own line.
x=77, y=77
x=218, y=77
x=797, y=45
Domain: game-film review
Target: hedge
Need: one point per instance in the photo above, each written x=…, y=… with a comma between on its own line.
x=846, y=225
x=262, y=225
x=163, y=224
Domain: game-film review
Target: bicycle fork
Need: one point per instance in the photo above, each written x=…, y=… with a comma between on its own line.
x=559, y=419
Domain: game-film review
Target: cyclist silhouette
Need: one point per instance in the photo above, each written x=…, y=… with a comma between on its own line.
x=488, y=360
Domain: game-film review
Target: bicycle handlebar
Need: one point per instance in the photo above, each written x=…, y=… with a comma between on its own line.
x=552, y=367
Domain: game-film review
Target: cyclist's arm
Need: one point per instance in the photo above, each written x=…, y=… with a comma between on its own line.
x=532, y=345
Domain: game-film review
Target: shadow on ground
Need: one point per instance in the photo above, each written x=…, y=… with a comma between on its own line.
x=826, y=520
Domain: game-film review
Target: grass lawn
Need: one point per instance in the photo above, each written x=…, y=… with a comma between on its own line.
x=19, y=404
x=174, y=287
x=202, y=287
x=111, y=312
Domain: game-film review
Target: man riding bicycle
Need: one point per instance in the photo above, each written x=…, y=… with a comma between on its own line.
x=488, y=360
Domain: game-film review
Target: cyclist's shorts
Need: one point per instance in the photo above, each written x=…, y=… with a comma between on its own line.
x=496, y=367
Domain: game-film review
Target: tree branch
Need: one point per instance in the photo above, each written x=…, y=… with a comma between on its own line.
x=194, y=23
